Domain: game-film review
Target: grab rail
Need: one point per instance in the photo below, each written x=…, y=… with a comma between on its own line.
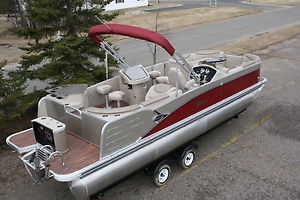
x=70, y=110
x=46, y=163
x=47, y=146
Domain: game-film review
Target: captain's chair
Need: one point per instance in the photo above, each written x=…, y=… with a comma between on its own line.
x=117, y=96
x=173, y=75
x=104, y=90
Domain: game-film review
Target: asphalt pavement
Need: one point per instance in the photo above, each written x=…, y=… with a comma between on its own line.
x=256, y=156
x=205, y=3
x=212, y=34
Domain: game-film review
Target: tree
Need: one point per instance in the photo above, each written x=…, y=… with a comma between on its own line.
x=14, y=12
x=58, y=43
x=14, y=104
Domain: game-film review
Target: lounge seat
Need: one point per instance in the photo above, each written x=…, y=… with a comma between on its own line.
x=157, y=90
x=154, y=100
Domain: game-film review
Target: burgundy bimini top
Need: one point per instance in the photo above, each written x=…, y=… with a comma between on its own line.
x=130, y=31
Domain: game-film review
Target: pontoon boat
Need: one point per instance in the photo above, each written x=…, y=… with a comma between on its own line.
x=91, y=137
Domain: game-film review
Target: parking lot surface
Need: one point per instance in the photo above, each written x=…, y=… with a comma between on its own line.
x=256, y=156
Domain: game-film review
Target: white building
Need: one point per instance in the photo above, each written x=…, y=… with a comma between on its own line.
x=121, y=4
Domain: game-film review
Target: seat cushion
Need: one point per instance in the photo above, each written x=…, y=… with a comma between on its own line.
x=161, y=88
x=104, y=89
x=162, y=80
x=190, y=84
x=154, y=100
x=116, y=96
x=154, y=74
x=174, y=74
x=157, y=90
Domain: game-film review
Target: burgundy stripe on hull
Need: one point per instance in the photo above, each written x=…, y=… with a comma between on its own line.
x=207, y=99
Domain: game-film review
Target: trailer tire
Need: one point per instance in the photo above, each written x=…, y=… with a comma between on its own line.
x=187, y=157
x=162, y=174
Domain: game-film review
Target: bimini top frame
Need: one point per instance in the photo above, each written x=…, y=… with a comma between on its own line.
x=138, y=33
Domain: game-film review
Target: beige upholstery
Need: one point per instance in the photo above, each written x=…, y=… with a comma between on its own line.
x=154, y=74
x=170, y=64
x=172, y=74
x=204, y=54
x=159, y=89
x=233, y=61
x=155, y=99
x=222, y=68
x=104, y=89
x=117, y=96
x=190, y=84
x=162, y=79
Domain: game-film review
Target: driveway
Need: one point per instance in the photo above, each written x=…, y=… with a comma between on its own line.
x=212, y=34
x=205, y=3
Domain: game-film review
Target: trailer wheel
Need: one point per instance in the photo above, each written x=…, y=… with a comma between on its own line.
x=162, y=174
x=187, y=157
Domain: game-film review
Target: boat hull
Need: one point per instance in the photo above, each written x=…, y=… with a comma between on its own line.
x=181, y=133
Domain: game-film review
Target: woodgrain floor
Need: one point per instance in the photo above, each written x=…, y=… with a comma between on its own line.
x=79, y=155
x=24, y=139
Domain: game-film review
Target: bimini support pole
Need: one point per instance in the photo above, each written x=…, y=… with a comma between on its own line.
x=106, y=64
x=186, y=66
x=109, y=49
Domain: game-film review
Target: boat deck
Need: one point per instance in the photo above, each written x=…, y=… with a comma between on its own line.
x=24, y=139
x=79, y=155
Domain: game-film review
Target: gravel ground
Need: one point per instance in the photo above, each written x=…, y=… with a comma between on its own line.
x=256, y=156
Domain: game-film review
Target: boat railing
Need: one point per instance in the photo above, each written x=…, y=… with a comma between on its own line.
x=73, y=111
x=47, y=165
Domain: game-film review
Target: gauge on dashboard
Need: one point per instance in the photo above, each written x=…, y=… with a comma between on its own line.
x=205, y=72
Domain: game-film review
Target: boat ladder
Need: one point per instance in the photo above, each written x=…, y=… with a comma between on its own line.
x=37, y=162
